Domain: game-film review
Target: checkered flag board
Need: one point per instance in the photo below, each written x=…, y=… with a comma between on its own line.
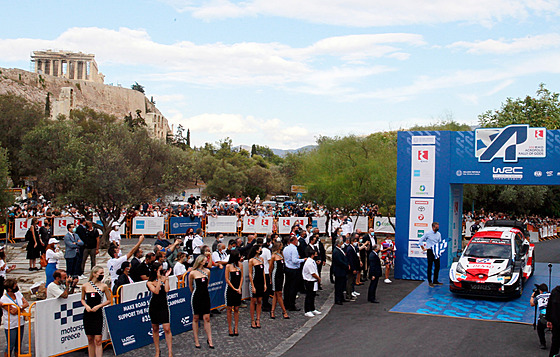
x=439, y=249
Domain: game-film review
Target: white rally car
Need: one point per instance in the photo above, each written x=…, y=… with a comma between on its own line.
x=496, y=262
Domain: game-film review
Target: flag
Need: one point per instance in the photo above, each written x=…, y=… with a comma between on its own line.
x=439, y=249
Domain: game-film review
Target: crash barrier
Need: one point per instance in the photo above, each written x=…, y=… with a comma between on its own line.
x=535, y=233
x=22, y=317
x=172, y=226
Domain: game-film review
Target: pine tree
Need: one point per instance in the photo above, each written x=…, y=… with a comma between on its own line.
x=189, y=137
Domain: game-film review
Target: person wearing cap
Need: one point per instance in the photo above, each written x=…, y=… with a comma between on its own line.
x=115, y=235
x=539, y=298
x=53, y=255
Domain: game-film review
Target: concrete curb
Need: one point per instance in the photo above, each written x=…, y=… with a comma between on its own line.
x=302, y=331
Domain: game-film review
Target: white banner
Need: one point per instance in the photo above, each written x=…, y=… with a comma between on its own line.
x=319, y=222
x=361, y=224
x=147, y=225
x=21, y=225
x=382, y=225
x=59, y=327
x=260, y=225
x=221, y=224
x=122, y=228
x=60, y=223
x=423, y=170
x=245, y=288
x=140, y=290
x=421, y=218
x=285, y=223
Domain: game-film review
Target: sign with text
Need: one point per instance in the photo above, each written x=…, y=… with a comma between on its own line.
x=382, y=225
x=60, y=224
x=179, y=225
x=222, y=224
x=285, y=224
x=255, y=224
x=147, y=225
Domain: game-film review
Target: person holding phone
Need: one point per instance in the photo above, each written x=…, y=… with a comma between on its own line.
x=158, y=284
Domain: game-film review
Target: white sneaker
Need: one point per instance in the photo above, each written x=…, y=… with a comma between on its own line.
x=83, y=276
x=355, y=294
x=309, y=314
x=317, y=312
x=387, y=281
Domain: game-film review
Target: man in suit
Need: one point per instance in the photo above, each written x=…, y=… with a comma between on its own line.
x=72, y=253
x=354, y=262
x=81, y=231
x=340, y=270
x=374, y=273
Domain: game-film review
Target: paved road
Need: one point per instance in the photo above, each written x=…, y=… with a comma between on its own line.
x=364, y=329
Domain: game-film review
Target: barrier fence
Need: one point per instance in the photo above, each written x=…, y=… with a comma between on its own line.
x=173, y=226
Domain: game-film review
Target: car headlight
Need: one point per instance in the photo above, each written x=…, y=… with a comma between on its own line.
x=507, y=272
x=460, y=269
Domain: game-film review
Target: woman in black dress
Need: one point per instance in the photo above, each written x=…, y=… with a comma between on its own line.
x=258, y=284
x=277, y=278
x=234, y=282
x=200, y=298
x=158, y=284
x=92, y=299
x=34, y=245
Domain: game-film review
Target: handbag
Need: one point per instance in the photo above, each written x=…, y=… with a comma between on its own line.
x=43, y=260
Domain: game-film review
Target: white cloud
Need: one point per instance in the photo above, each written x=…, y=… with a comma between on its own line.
x=514, y=46
x=368, y=13
x=243, y=129
x=331, y=63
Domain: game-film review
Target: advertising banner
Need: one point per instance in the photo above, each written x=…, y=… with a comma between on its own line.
x=285, y=223
x=222, y=224
x=321, y=223
x=423, y=171
x=147, y=225
x=217, y=287
x=59, y=327
x=421, y=218
x=60, y=223
x=360, y=222
x=382, y=225
x=259, y=225
x=179, y=225
x=139, y=290
x=130, y=325
x=21, y=225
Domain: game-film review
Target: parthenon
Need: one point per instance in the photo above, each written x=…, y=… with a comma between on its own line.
x=70, y=65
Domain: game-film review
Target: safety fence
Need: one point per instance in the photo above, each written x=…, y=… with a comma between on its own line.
x=536, y=233
x=173, y=226
x=58, y=326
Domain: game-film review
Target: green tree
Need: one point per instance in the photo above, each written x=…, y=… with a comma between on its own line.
x=188, y=140
x=135, y=122
x=17, y=117
x=138, y=87
x=6, y=198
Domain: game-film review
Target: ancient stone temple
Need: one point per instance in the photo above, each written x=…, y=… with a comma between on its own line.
x=70, y=65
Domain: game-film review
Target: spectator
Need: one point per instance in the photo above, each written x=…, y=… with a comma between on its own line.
x=189, y=237
x=374, y=273
x=197, y=243
x=62, y=285
x=91, y=244
x=161, y=243
x=72, y=254
x=142, y=271
x=172, y=251
x=53, y=255
x=93, y=293
x=14, y=335
x=232, y=245
x=219, y=239
x=180, y=267
x=388, y=256
x=116, y=261
x=135, y=262
x=123, y=277
x=291, y=269
x=220, y=257
x=340, y=271
x=4, y=269
x=81, y=232
x=45, y=233
x=34, y=245
x=311, y=278
x=354, y=262
x=234, y=283
x=115, y=235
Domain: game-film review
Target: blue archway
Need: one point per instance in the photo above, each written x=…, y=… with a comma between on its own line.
x=432, y=167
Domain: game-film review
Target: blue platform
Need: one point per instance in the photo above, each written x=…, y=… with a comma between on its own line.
x=439, y=301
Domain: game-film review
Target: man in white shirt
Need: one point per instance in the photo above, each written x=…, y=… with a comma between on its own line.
x=220, y=256
x=197, y=243
x=62, y=286
x=116, y=260
x=311, y=279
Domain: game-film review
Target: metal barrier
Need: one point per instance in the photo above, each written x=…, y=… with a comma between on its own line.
x=26, y=317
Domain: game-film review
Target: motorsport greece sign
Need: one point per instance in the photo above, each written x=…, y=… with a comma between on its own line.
x=432, y=167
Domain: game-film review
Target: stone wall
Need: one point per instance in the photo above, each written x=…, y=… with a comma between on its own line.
x=100, y=97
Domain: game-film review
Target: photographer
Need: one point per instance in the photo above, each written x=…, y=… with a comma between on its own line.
x=62, y=286
x=539, y=298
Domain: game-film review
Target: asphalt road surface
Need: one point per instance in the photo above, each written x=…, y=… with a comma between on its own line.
x=364, y=329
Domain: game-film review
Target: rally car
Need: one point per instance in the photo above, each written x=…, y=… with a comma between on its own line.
x=496, y=262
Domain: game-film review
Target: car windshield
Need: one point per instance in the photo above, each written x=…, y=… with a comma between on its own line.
x=489, y=248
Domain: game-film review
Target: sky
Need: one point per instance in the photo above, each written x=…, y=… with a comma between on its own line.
x=283, y=73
